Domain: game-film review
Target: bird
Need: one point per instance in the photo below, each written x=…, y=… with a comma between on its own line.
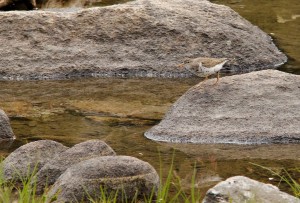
x=204, y=67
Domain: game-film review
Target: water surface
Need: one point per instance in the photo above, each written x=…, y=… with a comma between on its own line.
x=278, y=18
x=119, y=111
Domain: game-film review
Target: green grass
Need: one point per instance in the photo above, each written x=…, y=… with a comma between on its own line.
x=22, y=191
x=170, y=190
x=285, y=176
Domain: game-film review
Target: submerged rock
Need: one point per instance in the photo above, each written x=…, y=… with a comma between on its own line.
x=127, y=176
x=82, y=151
x=29, y=158
x=145, y=38
x=6, y=132
x=254, y=108
x=242, y=189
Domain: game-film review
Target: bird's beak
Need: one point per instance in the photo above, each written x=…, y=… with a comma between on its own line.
x=180, y=65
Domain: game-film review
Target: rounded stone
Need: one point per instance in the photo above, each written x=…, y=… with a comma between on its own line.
x=243, y=189
x=29, y=158
x=79, y=152
x=124, y=175
x=253, y=108
x=6, y=132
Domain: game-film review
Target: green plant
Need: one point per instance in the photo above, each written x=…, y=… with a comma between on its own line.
x=285, y=176
x=170, y=190
x=23, y=191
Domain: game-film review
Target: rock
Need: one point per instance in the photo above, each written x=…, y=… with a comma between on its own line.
x=144, y=38
x=30, y=158
x=8, y=5
x=114, y=173
x=73, y=3
x=242, y=189
x=82, y=151
x=6, y=132
x=254, y=108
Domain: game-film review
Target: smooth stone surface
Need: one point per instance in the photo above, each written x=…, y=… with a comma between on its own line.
x=144, y=38
x=254, y=108
x=79, y=152
x=114, y=173
x=6, y=132
x=30, y=158
x=239, y=189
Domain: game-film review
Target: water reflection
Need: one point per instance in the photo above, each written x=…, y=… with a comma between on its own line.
x=280, y=19
x=119, y=111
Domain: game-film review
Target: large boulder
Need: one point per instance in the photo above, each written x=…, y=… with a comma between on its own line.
x=82, y=151
x=254, y=108
x=146, y=38
x=126, y=176
x=74, y=3
x=29, y=158
x=242, y=189
x=6, y=132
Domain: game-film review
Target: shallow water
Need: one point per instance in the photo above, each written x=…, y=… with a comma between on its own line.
x=280, y=19
x=119, y=111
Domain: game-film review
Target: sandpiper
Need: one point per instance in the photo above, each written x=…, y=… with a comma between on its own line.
x=204, y=67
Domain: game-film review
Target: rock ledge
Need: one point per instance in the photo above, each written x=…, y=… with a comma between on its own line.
x=143, y=38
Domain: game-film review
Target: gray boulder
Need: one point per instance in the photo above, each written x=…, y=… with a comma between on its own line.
x=254, y=108
x=239, y=189
x=82, y=151
x=128, y=176
x=30, y=158
x=6, y=132
x=145, y=38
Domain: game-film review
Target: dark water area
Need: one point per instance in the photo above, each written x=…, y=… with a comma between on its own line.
x=119, y=111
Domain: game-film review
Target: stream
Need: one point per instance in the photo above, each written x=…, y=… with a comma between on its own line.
x=119, y=111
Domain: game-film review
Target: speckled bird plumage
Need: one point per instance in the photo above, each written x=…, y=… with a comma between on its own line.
x=204, y=67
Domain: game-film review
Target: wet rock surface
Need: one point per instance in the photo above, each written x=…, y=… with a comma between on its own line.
x=82, y=151
x=145, y=38
x=30, y=158
x=242, y=189
x=121, y=174
x=6, y=132
x=254, y=108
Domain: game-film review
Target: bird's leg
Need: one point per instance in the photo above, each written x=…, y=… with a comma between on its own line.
x=199, y=84
x=218, y=78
